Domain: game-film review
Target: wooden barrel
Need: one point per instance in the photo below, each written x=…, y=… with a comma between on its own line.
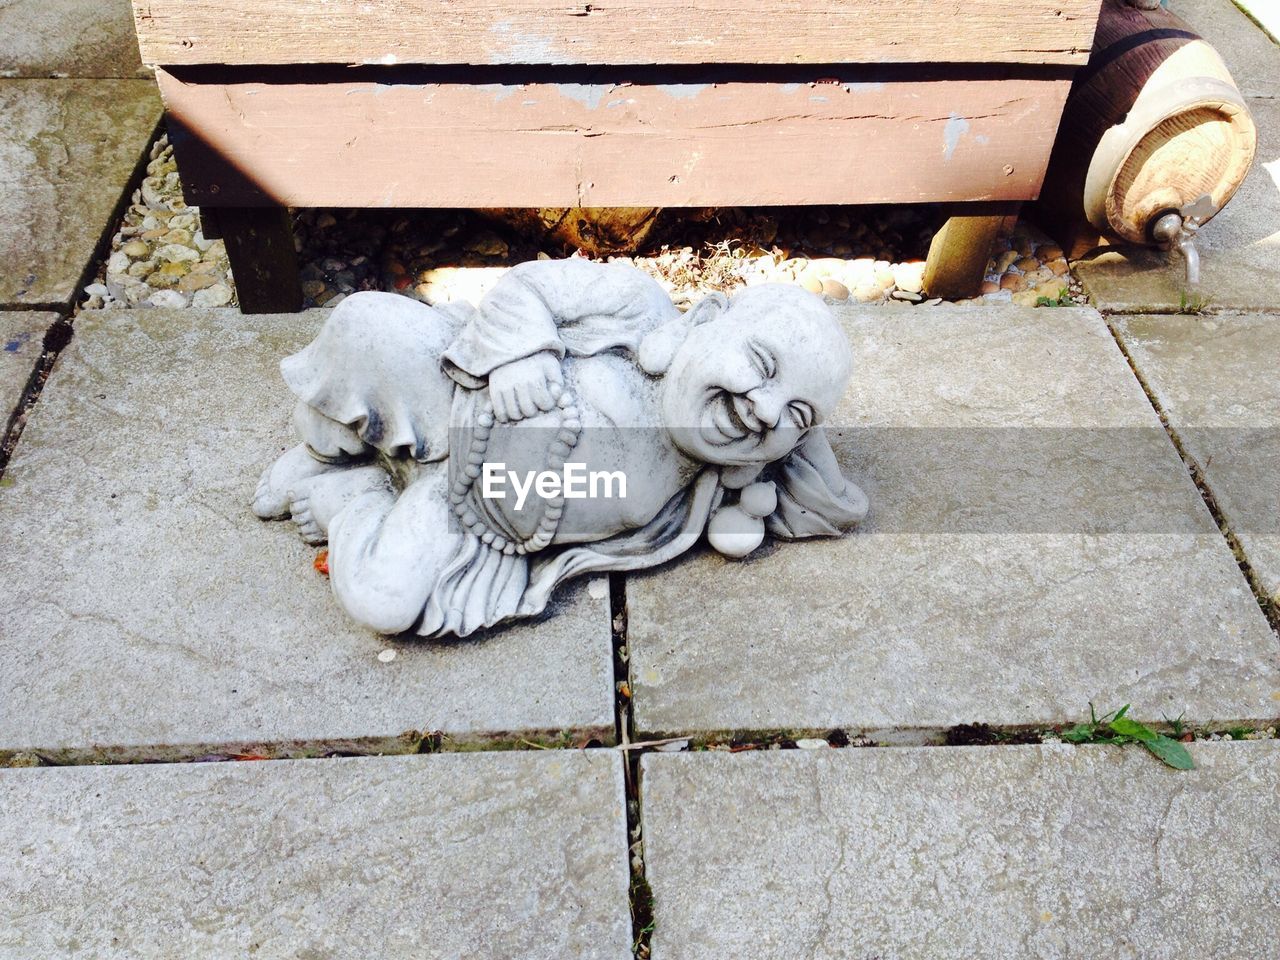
x=1153, y=123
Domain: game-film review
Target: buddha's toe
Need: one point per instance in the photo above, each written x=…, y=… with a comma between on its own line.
x=270, y=502
x=308, y=527
x=271, y=499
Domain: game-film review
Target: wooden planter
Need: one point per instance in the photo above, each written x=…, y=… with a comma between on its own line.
x=629, y=103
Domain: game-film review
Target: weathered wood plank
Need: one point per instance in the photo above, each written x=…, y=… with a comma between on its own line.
x=173, y=32
x=557, y=145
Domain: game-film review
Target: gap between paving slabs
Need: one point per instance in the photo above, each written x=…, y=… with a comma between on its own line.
x=61, y=331
x=1270, y=608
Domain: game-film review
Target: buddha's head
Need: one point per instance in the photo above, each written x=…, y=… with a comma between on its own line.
x=753, y=374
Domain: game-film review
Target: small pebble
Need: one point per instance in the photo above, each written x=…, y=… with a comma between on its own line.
x=196, y=281
x=219, y=295
x=169, y=299
x=165, y=277
x=835, y=289
x=177, y=253
x=909, y=277
x=386, y=656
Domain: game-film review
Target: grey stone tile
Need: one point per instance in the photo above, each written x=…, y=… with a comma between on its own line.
x=1216, y=379
x=147, y=612
x=499, y=855
x=1239, y=248
x=1034, y=544
x=21, y=344
x=1250, y=55
x=961, y=852
x=68, y=38
x=67, y=149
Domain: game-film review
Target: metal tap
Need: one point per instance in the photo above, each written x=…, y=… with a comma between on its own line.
x=1176, y=230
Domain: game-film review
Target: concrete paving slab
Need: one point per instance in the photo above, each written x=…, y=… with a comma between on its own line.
x=1250, y=55
x=68, y=38
x=1034, y=544
x=67, y=150
x=499, y=855
x=21, y=346
x=1215, y=378
x=148, y=613
x=1239, y=248
x=961, y=852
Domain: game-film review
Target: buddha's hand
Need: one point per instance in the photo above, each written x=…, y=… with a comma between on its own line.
x=526, y=387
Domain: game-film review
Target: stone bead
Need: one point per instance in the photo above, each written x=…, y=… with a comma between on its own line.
x=758, y=499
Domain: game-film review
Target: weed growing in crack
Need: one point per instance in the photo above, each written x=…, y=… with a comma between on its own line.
x=1193, y=303
x=1116, y=728
x=642, y=914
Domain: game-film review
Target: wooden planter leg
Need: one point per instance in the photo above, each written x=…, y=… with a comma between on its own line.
x=209, y=224
x=265, y=265
x=959, y=252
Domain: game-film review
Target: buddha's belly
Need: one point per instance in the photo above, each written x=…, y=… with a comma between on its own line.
x=620, y=470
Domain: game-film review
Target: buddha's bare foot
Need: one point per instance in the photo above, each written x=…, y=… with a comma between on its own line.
x=315, y=501
x=271, y=501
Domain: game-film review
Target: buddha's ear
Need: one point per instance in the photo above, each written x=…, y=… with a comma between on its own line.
x=658, y=349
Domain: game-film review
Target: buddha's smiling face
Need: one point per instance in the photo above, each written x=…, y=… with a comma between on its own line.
x=745, y=386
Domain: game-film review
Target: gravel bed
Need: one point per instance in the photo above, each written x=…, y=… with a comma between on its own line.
x=160, y=258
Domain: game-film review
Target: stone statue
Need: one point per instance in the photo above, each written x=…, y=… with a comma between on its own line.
x=449, y=454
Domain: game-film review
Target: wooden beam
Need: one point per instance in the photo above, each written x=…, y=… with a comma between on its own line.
x=362, y=144
x=959, y=253
x=263, y=260
x=173, y=32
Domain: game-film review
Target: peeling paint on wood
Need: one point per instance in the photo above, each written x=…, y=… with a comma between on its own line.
x=178, y=32
x=453, y=144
